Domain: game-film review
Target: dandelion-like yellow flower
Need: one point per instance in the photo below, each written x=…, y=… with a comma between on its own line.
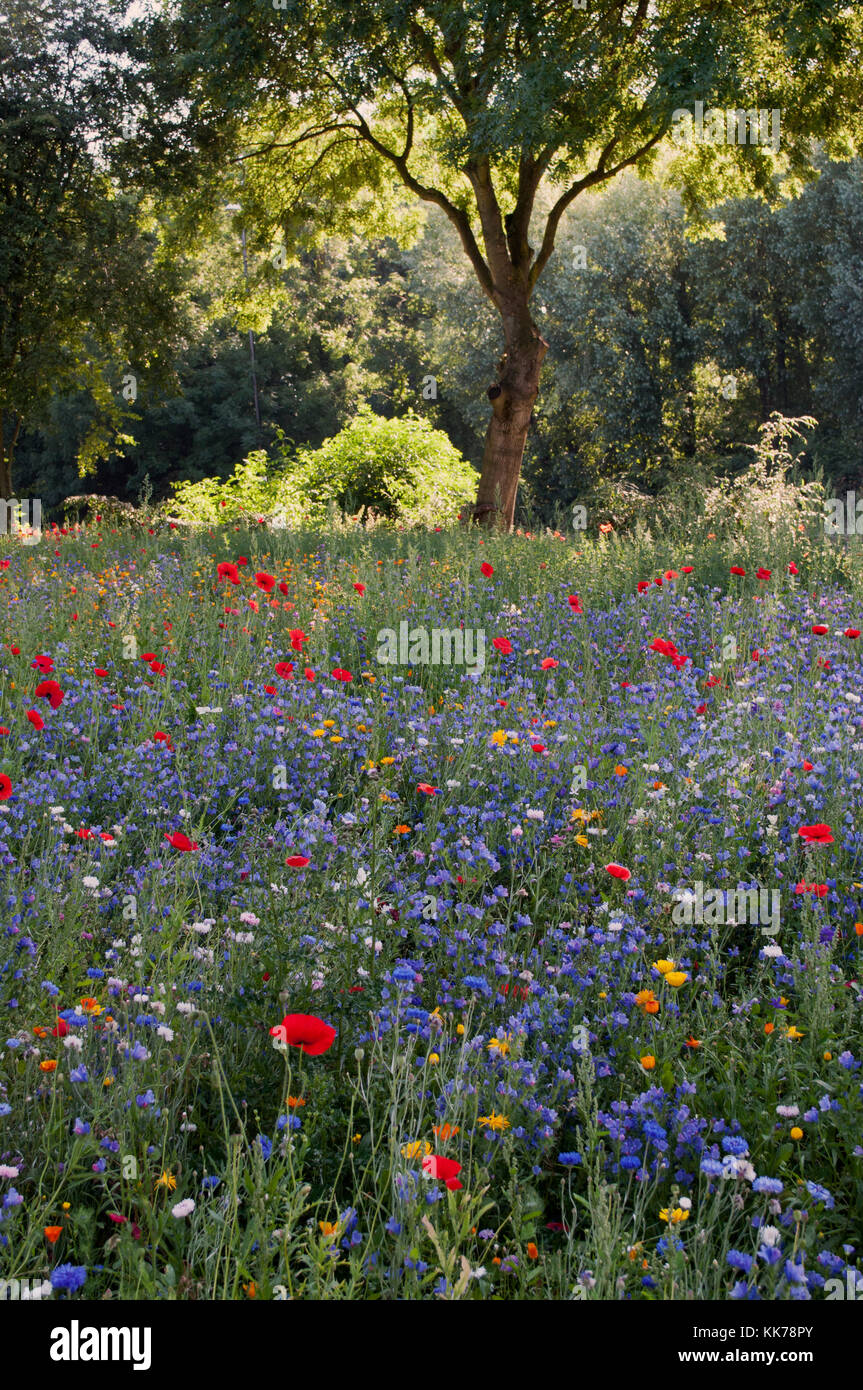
x=496, y=1122
x=676, y=978
x=167, y=1181
x=675, y=1216
x=418, y=1149
x=663, y=966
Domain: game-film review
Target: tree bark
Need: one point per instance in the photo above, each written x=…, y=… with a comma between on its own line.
x=512, y=398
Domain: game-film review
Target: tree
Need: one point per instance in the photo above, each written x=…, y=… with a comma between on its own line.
x=85, y=301
x=483, y=107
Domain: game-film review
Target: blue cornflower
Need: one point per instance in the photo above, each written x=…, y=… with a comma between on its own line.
x=70, y=1277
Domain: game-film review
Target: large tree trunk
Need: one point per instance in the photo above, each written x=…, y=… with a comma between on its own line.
x=512, y=399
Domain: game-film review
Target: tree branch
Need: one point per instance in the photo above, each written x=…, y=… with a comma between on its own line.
x=598, y=175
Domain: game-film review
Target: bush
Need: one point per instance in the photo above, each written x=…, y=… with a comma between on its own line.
x=401, y=469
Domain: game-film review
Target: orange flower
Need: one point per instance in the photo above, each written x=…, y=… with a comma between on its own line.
x=53, y=1233
x=532, y=1252
x=48, y=1065
x=294, y=1101
x=90, y=1005
x=648, y=1062
x=768, y=1028
x=402, y=830
x=692, y=1042
x=858, y=928
x=446, y=1131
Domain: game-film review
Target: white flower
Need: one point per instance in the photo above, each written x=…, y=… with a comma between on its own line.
x=90, y=882
x=166, y=1033
x=184, y=1208
x=770, y=1236
x=685, y=1203
x=535, y=815
x=6, y=1171
x=788, y=1112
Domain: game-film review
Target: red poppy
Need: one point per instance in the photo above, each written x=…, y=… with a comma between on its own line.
x=503, y=645
x=283, y=588
x=738, y=569
x=157, y=668
x=49, y=690
x=819, y=889
x=642, y=585
x=487, y=569
x=686, y=569
x=180, y=841
x=762, y=573
x=160, y=737
x=660, y=645
x=820, y=629
x=297, y=861
x=575, y=603
x=360, y=588
x=618, y=871
x=5, y=787
x=341, y=675
x=225, y=570
x=241, y=560
x=264, y=581
x=100, y=672
x=35, y=719
x=306, y=1032
x=852, y=632
x=309, y=674
x=679, y=660
x=61, y=1028
x=285, y=669
x=426, y=788
x=819, y=834
x=436, y=1166
x=700, y=709
x=807, y=766
x=148, y=656
x=792, y=568
x=537, y=748
x=548, y=663
x=298, y=637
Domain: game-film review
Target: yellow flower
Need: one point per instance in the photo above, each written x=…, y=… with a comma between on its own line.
x=676, y=978
x=500, y=1045
x=796, y=1132
x=498, y=737
x=493, y=1121
x=793, y=1032
x=459, y=1028
x=433, y=1059
x=385, y=762
x=166, y=1181
x=828, y=1056
x=581, y=840
x=329, y=1228
x=673, y=1216
x=418, y=1149
x=663, y=966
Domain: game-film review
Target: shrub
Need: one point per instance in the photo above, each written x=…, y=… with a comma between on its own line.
x=401, y=469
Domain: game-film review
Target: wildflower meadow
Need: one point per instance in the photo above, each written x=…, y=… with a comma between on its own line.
x=330, y=977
